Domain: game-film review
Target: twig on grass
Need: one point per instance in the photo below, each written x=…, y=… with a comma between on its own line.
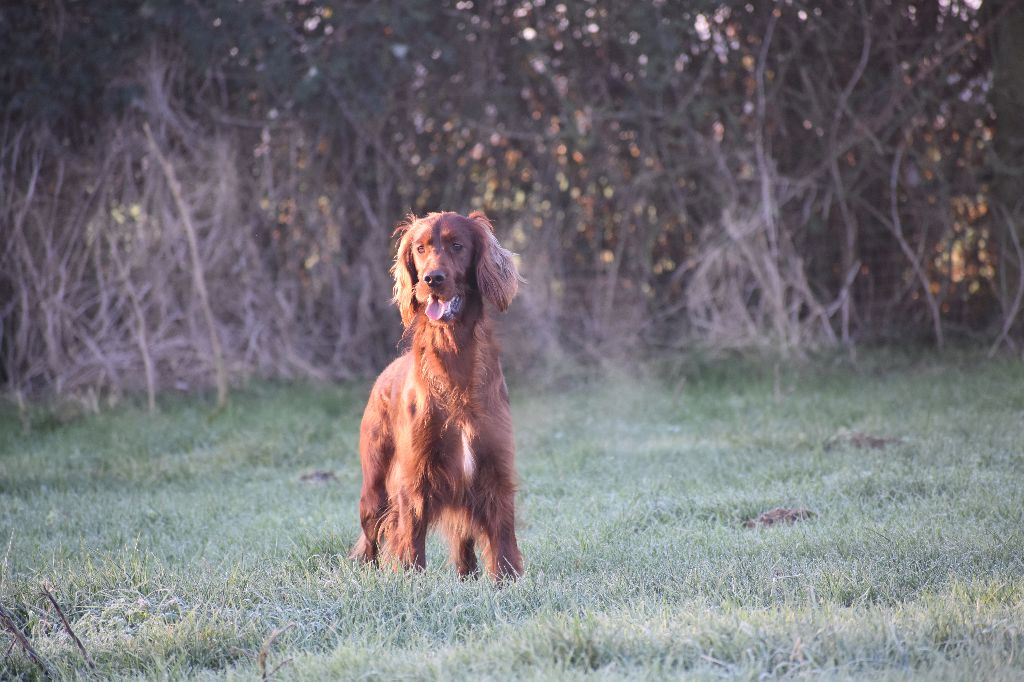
x=261, y=657
x=8, y=622
x=278, y=667
x=67, y=626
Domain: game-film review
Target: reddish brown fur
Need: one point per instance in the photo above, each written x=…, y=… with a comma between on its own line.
x=446, y=392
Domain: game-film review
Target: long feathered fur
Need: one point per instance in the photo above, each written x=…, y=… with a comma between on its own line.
x=436, y=443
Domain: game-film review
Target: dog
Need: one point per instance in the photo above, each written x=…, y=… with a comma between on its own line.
x=435, y=442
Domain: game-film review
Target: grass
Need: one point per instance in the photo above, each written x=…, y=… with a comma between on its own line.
x=176, y=543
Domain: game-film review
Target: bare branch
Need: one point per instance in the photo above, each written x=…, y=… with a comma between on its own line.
x=264, y=652
x=896, y=226
x=7, y=620
x=67, y=626
x=197, y=269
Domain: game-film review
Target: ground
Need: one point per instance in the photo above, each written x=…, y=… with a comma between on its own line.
x=177, y=543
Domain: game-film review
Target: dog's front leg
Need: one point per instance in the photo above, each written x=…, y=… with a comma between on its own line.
x=410, y=544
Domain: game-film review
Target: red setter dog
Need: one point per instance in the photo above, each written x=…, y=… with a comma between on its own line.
x=436, y=437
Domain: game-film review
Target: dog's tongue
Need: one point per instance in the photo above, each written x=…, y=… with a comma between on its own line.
x=435, y=309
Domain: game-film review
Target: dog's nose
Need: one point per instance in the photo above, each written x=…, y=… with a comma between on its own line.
x=434, y=278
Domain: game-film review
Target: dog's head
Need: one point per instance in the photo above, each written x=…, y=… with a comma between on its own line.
x=443, y=260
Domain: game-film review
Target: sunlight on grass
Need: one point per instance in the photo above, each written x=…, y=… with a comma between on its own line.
x=177, y=542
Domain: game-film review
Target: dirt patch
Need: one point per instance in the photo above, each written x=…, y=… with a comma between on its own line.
x=863, y=441
x=778, y=515
x=318, y=476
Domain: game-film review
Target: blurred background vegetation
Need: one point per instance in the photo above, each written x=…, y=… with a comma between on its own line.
x=201, y=189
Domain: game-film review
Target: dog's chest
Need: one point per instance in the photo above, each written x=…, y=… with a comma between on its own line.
x=467, y=457
x=445, y=421
x=457, y=451
x=452, y=442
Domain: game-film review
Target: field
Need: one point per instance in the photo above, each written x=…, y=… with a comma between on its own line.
x=177, y=543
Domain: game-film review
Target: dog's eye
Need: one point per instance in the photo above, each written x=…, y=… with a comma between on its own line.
x=420, y=249
x=456, y=247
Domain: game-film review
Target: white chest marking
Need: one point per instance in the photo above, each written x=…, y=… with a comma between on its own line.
x=468, y=462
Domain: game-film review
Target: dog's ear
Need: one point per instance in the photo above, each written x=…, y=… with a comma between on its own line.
x=496, y=275
x=404, y=273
